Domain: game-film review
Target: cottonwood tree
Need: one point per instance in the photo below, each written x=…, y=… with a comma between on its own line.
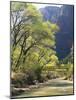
x=32, y=39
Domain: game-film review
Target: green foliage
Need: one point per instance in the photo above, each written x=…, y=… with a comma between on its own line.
x=32, y=46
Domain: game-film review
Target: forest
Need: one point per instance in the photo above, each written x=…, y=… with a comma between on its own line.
x=34, y=59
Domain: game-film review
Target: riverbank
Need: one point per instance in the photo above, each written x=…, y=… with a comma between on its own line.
x=50, y=88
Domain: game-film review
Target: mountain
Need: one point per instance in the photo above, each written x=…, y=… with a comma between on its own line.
x=64, y=17
x=50, y=13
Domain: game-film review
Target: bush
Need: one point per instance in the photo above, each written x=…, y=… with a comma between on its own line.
x=52, y=75
x=42, y=79
x=19, y=80
x=23, y=79
x=31, y=77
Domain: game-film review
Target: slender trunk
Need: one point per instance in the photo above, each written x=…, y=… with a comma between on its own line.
x=20, y=52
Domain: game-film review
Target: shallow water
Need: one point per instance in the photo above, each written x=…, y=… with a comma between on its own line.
x=51, y=88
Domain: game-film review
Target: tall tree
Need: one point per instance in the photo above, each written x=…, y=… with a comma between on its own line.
x=30, y=34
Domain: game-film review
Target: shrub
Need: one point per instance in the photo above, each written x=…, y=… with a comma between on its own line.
x=19, y=80
x=52, y=75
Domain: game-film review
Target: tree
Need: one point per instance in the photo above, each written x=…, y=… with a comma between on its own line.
x=28, y=30
x=32, y=40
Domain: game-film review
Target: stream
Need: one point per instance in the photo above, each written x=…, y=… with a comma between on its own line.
x=50, y=88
